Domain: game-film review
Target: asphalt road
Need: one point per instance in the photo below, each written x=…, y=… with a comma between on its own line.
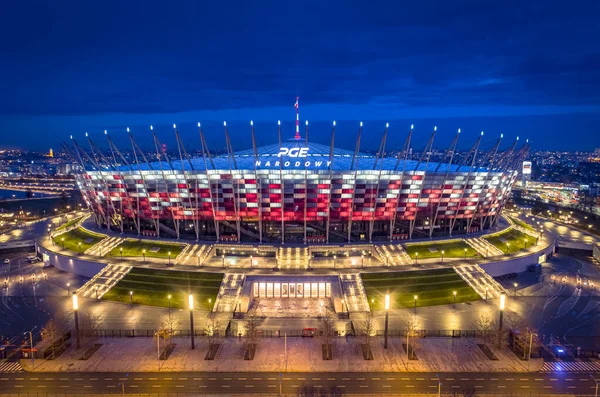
x=263, y=382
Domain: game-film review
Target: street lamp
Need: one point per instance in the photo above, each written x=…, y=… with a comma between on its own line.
x=75, y=310
x=525, y=243
x=507, y=245
x=501, y=307
x=530, y=342
x=191, y=305
x=454, y=293
x=442, y=256
x=415, y=297
x=198, y=259
x=169, y=298
x=465, y=253
x=334, y=258
x=62, y=239
x=362, y=261
x=223, y=259
x=121, y=250
x=96, y=292
x=131, y=297
x=169, y=257
x=387, y=308
x=515, y=285
x=79, y=246
x=595, y=381
x=144, y=254
x=416, y=258
x=68, y=289
x=209, y=304
x=31, y=345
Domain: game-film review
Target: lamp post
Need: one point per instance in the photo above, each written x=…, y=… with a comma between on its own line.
x=169, y=298
x=68, y=289
x=362, y=261
x=62, y=239
x=75, y=310
x=387, y=308
x=416, y=258
x=31, y=344
x=454, y=293
x=530, y=342
x=416, y=297
x=596, y=382
x=209, y=304
x=131, y=297
x=121, y=251
x=442, y=256
x=501, y=307
x=525, y=244
x=251, y=261
x=223, y=259
x=191, y=305
x=79, y=247
x=507, y=245
x=169, y=257
x=334, y=258
x=198, y=259
x=144, y=254
x=465, y=253
x=96, y=292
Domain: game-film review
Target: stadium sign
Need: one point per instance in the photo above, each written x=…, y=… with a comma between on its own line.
x=319, y=163
x=293, y=152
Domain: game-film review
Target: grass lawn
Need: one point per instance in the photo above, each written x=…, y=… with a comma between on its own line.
x=514, y=238
x=76, y=236
x=432, y=287
x=69, y=223
x=452, y=249
x=152, y=287
x=521, y=223
x=132, y=247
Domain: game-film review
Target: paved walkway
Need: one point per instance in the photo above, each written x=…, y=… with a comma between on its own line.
x=303, y=355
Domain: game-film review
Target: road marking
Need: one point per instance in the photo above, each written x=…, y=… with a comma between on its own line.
x=202, y=386
x=132, y=386
x=360, y=378
x=242, y=379
x=270, y=378
x=501, y=386
x=524, y=378
x=212, y=378
x=33, y=378
x=477, y=379
x=63, y=386
x=404, y=378
x=110, y=386
x=553, y=379
x=93, y=378
x=583, y=380
x=3, y=378
x=197, y=378
x=524, y=386
x=341, y=386
x=345, y=378
x=330, y=378
x=167, y=378
x=364, y=386
x=22, y=386
x=226, y=378
x=256, y=378
x=508, y=379
x=493, y=378
x=179, y=386
x=538, y=379
x=386, y=386
x=152, y=378
x=374, y=378
x=41, y=385
x=409, y=386
x=455, y=386
x=301, y=378
x=318, y=386
x=271, y=385
x=224, y=385
x=181, y=378
x=87, y=386
x=135, y=379
x=110, y=379
x=294, y=386
x=156, y=386
x=390, y=378
x=420, y=378
x=122, y=378
x=287, y=378
x=78, y=378
x=568, y=380
x=447, y=378
x=249, y=386
x=547, y=387
x=478, y=386
x=464, y=378
x=570, y=387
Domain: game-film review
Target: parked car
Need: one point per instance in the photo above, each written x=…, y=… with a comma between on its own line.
x=6, y=261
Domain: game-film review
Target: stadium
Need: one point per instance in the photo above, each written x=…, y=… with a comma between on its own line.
x=296, y=191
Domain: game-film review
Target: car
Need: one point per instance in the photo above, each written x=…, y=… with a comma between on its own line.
x=6, y=261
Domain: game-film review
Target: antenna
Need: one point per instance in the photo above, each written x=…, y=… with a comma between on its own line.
x=297, y=137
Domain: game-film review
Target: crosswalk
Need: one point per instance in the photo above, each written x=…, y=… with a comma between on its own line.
x=10, y=366
x=571, y=366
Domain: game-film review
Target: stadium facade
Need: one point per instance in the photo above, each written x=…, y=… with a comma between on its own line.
x=296, y=191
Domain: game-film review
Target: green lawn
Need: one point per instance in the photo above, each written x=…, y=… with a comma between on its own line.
x=514, y=238
x=452, y=249
x=133, y=247
x=432, y=287
x=152, y=287
x=69, y=223
x=521, y=223
x=76, y=236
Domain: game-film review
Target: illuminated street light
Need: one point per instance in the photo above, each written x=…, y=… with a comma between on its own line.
x=223, y=259
x=63, y=242
x=31, y=345
x=465, y=253
x=454, y=293
x=121, y=250
x=75, y=310
x=79, y=246
x=362, y=261
x=442, y=256
x=416, y=258
x=501, y=307
x=387, y=309
x=334, y=258
x=68, y=289
x=169, y=298
x=169, y=257
x=131, y=297
x=191, y=306
x=144, y=254
x=415, y=297
x=515, y=285
x=486, y=292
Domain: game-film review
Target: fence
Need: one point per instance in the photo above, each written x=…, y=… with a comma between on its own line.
x=140, y=333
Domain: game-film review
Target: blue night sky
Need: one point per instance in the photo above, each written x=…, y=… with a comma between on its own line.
x=531, y=70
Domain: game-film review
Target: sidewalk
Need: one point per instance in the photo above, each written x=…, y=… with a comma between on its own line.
x=304, y=355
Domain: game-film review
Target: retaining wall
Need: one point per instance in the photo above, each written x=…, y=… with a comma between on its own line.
x=68, y=263
x=518, y=264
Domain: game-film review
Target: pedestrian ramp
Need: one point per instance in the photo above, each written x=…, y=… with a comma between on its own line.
x=354, y=294
x=10, y=367
x=483, y=247
x=395, y=254
x=103, y=247
x=571, y=366
x=102, y=282
x=292, y=258
x=480, y=281
x=229, y=292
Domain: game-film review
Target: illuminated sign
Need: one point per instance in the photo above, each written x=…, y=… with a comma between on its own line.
x=526, y=167
x=293, y=152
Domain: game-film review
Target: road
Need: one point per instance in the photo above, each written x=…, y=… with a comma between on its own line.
x=263, y=382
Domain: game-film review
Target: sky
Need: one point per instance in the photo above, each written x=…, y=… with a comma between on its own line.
x=528, y=69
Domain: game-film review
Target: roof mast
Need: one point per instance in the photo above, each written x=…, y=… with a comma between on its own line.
x=297, y=137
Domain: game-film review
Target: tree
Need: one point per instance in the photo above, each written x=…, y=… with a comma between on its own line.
x=367, y=329
x=515, y=323
x=484, y=324
x=411, y=324
x=327, y=329
x=212, y=328
x=54, y=329
x=90, y=325
x=168, y=328
x=251, y=325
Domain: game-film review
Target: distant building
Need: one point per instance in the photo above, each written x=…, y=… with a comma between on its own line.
x=50, y=153
x=64, y=169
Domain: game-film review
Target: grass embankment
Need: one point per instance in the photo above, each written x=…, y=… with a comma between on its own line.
x=133, y=247
x=71, y=240
x=521, y=223
x=515, y=239
x=452, y=249
x=432, y=287
x=69, y=223
x=152, y=287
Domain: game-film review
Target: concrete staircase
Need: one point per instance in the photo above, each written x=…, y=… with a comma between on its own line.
x=354, y=293
x=102, y=248
x=398, y=255
x=482, y=246
x=229, y=292
x=480, y=281
x=292, y=258
x=103, y=281
x=193, y=255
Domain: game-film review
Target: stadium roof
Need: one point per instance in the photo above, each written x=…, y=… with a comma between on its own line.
x=298, y=155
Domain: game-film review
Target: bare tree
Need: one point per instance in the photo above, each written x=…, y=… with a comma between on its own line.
x=367, y=328
x=168, y=328
x=212, y=328
x=251, y=325
x=516, y=323
x=54, y=329
x=484, y=324
x=411, y=324
x=90, y=326
x=327, y=330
